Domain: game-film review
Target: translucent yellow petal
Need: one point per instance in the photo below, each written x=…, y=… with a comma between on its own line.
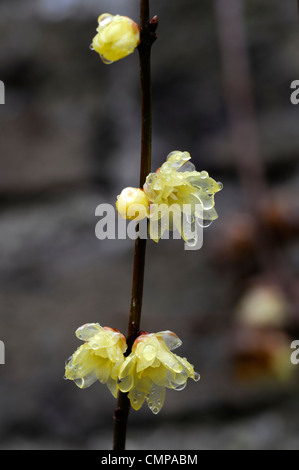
x=147, y=349
x=155, y=399
x=126, y=383
x=87, y=331
x=136, y=398
x=127, y=366
x=152, y=367
x=174, y=185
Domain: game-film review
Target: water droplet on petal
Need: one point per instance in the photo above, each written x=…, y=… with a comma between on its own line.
x=91, y=48
x=180, y=387
x=155, y=410
x=196, y=376
x=188, y=166
x=106, y=61
x=204, y=223
x=68, y=360
x=106, y=20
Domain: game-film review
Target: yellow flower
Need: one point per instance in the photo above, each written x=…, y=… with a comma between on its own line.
x=132, y=204
x=176, y=190
x=152, y=367
x=117, y=37
x=99, y=358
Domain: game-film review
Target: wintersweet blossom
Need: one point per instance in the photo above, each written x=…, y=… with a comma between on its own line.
x=177, y=185
x=152, y=367
x=117, y=37
x=132, y=203
x=99, y=358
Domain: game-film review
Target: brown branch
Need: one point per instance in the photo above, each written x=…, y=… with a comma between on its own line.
x=147, y=38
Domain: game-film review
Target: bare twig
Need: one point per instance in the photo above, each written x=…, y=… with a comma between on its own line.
x=147, y=38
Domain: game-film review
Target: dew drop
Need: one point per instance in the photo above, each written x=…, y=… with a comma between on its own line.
x=196, y=376
x=106, y=61
x=204, y=223
x=68, y=360
x=188, y=166
x=105, y=21
x=155, y=410
x=180, y=387
x=91, y=48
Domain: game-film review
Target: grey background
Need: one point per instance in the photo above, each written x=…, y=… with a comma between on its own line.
x=70, y=140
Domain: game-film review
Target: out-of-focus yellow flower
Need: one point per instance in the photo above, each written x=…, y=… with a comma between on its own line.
x=132, y=203
x=117, y=37
x=99, y=358
x=177, y=185
x=263, y=306
x=152, y=367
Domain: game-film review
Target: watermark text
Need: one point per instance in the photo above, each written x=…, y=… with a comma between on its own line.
x=2, y=353
x=295, y=94
x=2, y=92
x=163, y=222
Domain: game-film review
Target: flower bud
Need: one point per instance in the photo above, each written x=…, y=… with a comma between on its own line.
x=117, y=37
x=132, y=203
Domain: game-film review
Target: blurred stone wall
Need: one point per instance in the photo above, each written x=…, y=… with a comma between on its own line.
x=70, y=140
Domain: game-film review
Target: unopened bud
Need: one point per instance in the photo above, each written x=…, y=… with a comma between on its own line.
x=117, y=37
x=132, y=203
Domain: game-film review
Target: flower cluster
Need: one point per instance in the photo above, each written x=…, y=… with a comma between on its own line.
x=99, y=358
x=176, y=185
x=117, y=37
x=145, y=374
x=152, y=367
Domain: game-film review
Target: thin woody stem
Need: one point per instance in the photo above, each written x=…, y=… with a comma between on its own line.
x=144, y=49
